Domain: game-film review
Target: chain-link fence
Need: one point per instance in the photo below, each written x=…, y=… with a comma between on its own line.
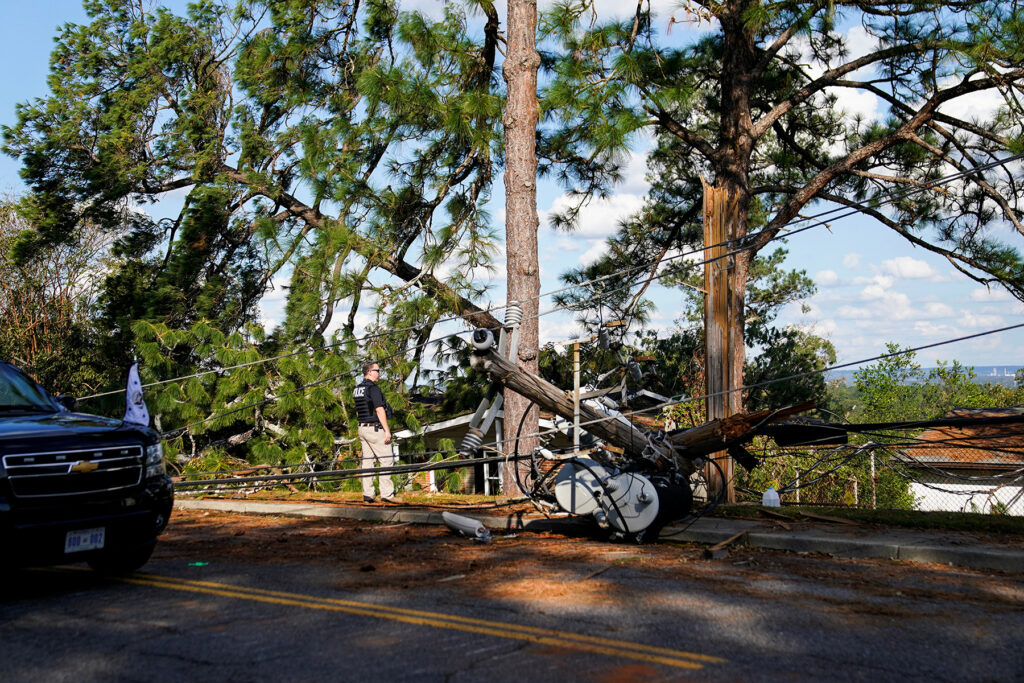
x=961, y=467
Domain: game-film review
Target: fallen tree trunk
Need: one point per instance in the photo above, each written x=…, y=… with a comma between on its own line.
x=719, y=434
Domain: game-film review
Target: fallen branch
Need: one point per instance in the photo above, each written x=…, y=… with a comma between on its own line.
x=826, y=518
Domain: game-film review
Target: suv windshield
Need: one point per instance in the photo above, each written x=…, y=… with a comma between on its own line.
x=19, y=393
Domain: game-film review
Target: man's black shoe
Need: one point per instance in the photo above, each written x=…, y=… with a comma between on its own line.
x=369, y=499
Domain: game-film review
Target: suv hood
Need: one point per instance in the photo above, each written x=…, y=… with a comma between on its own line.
x=66, y=430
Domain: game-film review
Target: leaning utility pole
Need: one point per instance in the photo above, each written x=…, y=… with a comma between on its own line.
x=720, y=376
x=520, y=120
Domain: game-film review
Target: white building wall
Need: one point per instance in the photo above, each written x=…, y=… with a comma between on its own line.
x=941, y=495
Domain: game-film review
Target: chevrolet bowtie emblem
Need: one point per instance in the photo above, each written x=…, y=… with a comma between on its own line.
x=83, y=466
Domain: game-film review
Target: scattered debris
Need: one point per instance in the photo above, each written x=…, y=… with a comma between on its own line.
x=826, y=518
x=467, y=526
x=777, y=517
x=633, y=475
x=718, y=550
x=454, y=577
x=595, y=573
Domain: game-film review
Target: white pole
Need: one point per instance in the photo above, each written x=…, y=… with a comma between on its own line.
x=576, y=398
x=874, y=500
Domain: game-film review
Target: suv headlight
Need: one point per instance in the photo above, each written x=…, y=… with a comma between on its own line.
x=155, y=460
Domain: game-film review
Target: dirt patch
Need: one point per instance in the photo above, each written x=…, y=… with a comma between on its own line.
x=545, y=568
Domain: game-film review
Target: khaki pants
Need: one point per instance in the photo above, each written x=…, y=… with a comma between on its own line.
x=374, y=448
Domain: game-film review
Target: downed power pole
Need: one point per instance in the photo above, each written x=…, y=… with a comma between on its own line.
x=634, y=481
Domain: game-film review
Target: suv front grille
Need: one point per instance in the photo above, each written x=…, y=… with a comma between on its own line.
x=69, y=473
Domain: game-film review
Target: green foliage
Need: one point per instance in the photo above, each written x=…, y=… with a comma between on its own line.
x=332, y=147
x=678, y=368
x=794, y=354
x=463, y=386
x=825, y=477
x=449, y=480
x=245, y=400
x=893, y=389
x=747, y=102
x=897, y=388
x=344, y=151
x=48, y=304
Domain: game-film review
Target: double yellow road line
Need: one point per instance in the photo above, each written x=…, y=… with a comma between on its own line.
x=550, y=637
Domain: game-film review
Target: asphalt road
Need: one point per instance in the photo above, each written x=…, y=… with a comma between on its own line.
x=233, y=598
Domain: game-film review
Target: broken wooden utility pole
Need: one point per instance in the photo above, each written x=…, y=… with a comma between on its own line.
x=635, y=481
x=720, y=377
x=681, y=448
x=549, y=397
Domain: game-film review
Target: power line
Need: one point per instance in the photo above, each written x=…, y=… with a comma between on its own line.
x=681, y=399
x=176, y=432
x=621, y=271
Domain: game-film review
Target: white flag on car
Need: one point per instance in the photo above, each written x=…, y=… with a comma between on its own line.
x=135, y=409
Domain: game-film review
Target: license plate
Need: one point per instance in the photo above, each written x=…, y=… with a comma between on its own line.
x=86, y=539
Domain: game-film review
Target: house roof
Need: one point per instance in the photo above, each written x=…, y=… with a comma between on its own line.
x=974, y=446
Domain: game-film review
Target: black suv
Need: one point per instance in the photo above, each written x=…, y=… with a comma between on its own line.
x=76, y=487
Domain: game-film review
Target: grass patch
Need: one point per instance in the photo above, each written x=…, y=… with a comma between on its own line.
x=913, y=519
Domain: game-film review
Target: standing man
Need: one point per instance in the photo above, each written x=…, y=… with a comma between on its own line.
x=373, y=411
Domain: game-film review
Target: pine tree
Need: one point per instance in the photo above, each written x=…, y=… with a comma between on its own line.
x=750, y=103
x=346, y=146
x=342, y=149
x=520, y=119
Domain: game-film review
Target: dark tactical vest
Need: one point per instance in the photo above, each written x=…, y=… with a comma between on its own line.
x=364, y=397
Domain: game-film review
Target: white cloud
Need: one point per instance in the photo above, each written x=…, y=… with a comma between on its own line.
x=826, y=278
x=989, y=344
x=854, y=313
x=976, y=106
x=826, y=327
x=973, y=320
x=851, y=261
x=880, y=288
x=854, y=102
x=596, y=250
x=859, y=43
x=273, y=301
x=609, y=9
x=497, y=273
x=908, y=268
x=987, y=294
x=634, y=175
x=897, y=305
x=600, y=217
x=557, y=329
x=938, y=310
x=882, y=305
x=931, y=330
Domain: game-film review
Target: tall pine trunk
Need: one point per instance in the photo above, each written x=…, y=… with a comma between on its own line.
x=520, y=73
x=735, y=149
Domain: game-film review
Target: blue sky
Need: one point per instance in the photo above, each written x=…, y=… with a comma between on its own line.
x=874, y=287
